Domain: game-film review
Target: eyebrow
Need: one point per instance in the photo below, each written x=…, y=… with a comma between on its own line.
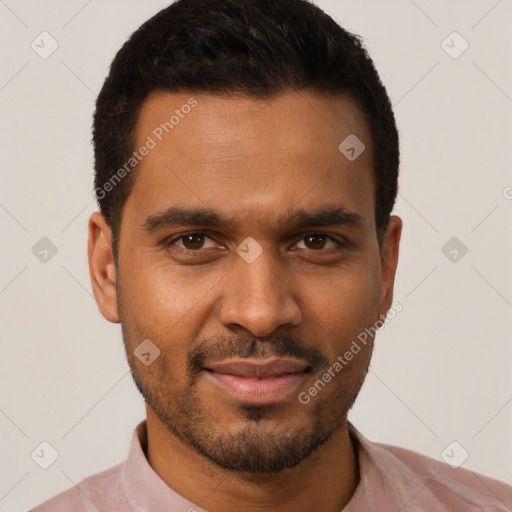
x=206, y=217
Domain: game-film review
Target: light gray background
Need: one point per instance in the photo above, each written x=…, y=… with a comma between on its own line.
x=442, y=368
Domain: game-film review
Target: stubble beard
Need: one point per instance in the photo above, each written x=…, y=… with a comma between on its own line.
x=253, y=447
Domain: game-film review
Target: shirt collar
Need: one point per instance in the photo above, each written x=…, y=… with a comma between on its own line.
x=385, y=483
x=143, y=488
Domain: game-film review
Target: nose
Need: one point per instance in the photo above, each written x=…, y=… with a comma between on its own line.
x=258, y=297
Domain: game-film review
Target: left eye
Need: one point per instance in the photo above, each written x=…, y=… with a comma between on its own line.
x=318, y=241
x=192, y=241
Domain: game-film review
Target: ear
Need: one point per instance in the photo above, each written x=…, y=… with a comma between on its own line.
x=101, y=267
x=389, y=262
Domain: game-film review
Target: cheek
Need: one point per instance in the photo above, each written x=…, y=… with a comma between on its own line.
x=163, y=305
x=344, y=304
x=148, y=313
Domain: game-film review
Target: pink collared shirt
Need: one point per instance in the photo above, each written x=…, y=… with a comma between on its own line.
x=392, y=479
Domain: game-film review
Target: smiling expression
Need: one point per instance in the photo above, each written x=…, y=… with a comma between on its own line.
x=248, y=255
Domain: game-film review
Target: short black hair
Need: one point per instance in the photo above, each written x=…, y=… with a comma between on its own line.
x=257, y=48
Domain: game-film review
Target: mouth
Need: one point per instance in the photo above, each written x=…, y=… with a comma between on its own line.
x=258, y=381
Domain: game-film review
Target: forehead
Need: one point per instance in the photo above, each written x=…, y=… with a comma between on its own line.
x=250, y=157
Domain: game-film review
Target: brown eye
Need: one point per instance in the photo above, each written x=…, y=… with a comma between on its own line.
x=318, y=241
x=315, y=241
x=192, y=242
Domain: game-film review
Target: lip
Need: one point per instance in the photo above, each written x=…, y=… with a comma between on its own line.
x=258, y=381
x=268, y=367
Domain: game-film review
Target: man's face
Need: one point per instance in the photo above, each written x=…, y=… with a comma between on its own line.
x=270, y=285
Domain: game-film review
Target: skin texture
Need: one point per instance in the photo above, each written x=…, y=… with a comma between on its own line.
x=254, y=162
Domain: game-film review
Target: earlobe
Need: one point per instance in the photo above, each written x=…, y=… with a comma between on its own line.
x=102, y=268
x=389, y=262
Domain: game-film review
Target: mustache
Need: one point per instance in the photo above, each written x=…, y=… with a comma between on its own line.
x=249, y=346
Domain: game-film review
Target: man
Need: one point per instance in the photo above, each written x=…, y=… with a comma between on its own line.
x=246, y=170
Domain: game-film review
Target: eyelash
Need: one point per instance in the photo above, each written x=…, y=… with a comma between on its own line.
x=167, y=243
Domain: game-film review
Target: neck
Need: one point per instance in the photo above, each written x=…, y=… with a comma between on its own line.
x=326, y=480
